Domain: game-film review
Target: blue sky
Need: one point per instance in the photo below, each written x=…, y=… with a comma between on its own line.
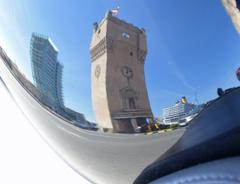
x=193, y=47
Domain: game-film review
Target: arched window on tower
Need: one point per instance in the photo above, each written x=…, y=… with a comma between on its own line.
x=131, y=103
x=129, y=97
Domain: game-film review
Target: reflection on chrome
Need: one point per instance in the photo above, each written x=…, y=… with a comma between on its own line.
x=119, y=93
x=120, y=99
x=127, y=138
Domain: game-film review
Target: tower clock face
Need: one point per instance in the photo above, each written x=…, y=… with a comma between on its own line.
x=127, y=72
x=97, y=71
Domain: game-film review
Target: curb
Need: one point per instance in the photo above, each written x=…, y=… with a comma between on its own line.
x=159, y=131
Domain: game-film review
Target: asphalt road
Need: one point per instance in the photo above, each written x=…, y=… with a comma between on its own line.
x=99, y=157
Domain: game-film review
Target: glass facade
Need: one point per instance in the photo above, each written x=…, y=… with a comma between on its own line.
x=47, y=71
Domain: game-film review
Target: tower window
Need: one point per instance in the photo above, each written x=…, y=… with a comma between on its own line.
x=125, y=35
x=238, y=4
x=99, y=31
x=131, y=103
x=131, y=53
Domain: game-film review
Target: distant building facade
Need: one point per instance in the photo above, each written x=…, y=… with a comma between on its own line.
x=119, y=95
x=47, y=71
x=174, y=113
x=233, y=9
x=77, y=118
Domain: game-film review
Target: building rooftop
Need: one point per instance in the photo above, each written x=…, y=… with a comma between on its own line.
x=46, y=38
x=109, y=16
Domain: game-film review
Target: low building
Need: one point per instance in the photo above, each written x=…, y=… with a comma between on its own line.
x=74, y=116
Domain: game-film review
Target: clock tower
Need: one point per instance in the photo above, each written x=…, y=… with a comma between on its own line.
x=119, y=95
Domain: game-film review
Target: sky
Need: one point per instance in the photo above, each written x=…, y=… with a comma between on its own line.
x=193, y=47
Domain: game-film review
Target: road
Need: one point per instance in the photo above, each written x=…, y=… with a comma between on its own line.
x=99, y=157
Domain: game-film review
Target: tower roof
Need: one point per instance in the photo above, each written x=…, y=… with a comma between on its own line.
x=109, y=16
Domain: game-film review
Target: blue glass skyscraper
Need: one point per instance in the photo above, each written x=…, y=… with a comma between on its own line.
x=47, y=71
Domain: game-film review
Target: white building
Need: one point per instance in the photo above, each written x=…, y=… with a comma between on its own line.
x=172, y=114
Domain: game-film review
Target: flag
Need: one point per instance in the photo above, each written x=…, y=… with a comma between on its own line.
x=184, y=100
x=115, y=11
